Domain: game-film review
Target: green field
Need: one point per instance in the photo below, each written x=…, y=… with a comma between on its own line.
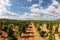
x=8, y=25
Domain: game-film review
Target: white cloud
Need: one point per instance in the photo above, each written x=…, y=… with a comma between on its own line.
x=4, y=13
x=38, y=13
x=29, y=0
x=54, y=2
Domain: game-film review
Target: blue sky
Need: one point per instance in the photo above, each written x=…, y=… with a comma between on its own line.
x=30, y=9
x=21, y=6
x=17, y=5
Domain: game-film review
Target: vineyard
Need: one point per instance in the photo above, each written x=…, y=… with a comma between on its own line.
x=12, y=29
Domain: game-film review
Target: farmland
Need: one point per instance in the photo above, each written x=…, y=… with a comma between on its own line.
x=45, y=30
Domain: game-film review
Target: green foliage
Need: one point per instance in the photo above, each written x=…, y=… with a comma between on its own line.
x=38, y=28
x=50, y=26
x=50, y=37
x=59, y=34
x=22, y=24
x=47, y=25
x=42, y=33
x=56, y=30
x=11, y=35
x=5, y=28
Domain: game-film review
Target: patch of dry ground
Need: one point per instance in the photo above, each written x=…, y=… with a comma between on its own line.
x=36, y=37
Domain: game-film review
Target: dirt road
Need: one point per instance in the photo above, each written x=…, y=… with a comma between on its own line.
x=36, y=37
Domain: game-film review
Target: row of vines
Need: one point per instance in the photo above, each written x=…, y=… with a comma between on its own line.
x=8, y=25
x=48, y=35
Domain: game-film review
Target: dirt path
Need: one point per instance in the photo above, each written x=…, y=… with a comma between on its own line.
x=57, y=37
x=36, y=37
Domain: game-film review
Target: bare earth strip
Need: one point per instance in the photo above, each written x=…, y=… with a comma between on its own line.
x=36, y=37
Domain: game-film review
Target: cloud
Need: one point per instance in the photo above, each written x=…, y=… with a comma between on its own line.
x=36, y=11
x=52, y=12
x=29, y=0
x=4, y=12
x=54, y=2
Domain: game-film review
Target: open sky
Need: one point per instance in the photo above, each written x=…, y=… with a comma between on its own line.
x=30, y=9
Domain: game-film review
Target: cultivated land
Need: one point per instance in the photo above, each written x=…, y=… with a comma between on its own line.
x=29, y=30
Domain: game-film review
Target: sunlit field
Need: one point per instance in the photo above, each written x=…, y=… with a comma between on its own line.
x=29, y=30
